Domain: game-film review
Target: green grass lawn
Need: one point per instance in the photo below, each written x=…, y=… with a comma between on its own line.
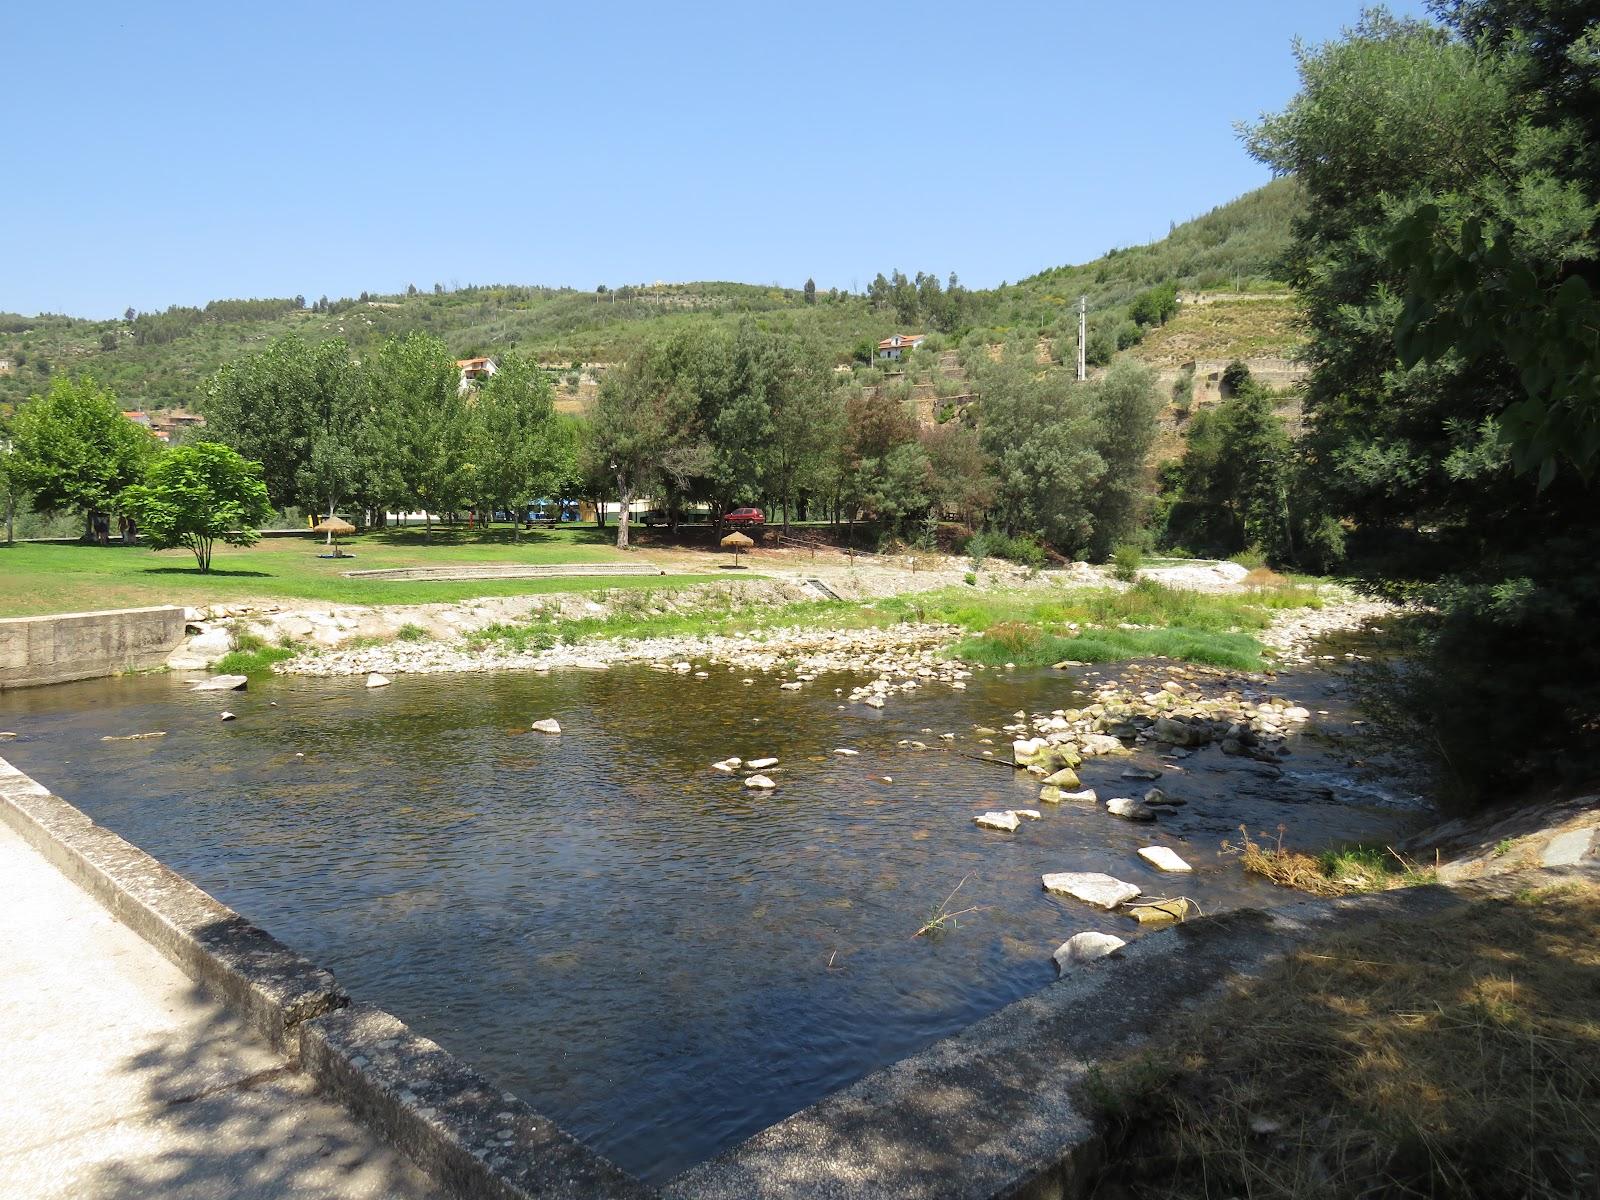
x=76, y=578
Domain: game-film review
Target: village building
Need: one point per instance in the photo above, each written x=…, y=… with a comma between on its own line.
x=896, y=345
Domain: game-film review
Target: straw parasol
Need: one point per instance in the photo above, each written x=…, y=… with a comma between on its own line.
x=738, y=543
x=334, y=527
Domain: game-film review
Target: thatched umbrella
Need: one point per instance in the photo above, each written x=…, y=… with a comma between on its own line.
x=334, y=527
x=738, y=543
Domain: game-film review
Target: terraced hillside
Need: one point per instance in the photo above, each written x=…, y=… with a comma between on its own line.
x=1228, y=256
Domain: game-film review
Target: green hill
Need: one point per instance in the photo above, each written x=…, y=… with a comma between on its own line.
x=159, y=360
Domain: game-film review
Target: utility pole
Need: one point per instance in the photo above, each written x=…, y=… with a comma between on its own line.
x=1083, y=324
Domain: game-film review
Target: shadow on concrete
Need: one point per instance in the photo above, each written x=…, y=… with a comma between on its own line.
x=220, y=1115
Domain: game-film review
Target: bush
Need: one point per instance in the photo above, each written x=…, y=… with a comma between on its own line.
x=1125, y=560
x=1252, y=558
x=1022, y=550
x=978, y=548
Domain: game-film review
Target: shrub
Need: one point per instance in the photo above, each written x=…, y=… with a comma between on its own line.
x=978, y=548
x=1125, y=560
x=971, y=579
x=1252, y=558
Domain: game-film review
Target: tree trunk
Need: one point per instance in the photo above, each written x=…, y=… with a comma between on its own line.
x=624, y=503
x=11, y=520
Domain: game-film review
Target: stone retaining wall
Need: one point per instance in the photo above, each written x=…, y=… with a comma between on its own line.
x=66, y=646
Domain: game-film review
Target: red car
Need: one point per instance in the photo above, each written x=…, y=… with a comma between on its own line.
x=745, y=516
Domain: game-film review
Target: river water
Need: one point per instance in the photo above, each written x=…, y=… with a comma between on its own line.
x=658, y=959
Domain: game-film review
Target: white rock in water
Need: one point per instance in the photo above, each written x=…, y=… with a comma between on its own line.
x=1006, y=821
x=1103, y=891
x=222, y=683
x=1088, y=796
x=1086, y=947
x=1130, y=810
x=790, y=687
x=845, y=752
x=548, y=725
x=1163, y=859
x=760, y=782
x=1025, y=750
x=1027, y=814
x=376, y=680
x=873, y=701
x=226, y=715
x=727, y=766
x=761, y=764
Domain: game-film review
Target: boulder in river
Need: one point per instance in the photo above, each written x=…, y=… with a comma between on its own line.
x=1005, y=821
x=1181, y=733
x=1156, y=798
x=761, y=764
x=846, y=753
x=1129, y=809
x=547, y=725
x=1086, y=947
x=1160, y=912
x=1163, y=859
x=222, y=683
x=1103, y=891
x=759, y=783
x=376, y=681
x=1087, y=796
x=1064, y=778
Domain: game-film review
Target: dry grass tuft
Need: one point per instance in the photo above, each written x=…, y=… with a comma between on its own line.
x=1455, y=1056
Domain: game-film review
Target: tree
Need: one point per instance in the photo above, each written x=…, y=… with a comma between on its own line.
x=517, y=449
x=75, y=451
x=1038, y=430
x=645, y=429
x=1447, y=262
x=1124, y=408
x=299, y=410
x=421, y=426
x=9, y=489
x=196, y=495
x=811, y=291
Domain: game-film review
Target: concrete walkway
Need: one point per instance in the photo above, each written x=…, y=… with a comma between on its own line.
x=119, y=1078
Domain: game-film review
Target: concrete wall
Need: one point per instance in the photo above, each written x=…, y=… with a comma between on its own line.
x=66, y=646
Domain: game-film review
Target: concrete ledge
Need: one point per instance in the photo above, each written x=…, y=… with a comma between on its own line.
x=449, y=1120
x=510, y=571
x=61, y=647
x=270, y=985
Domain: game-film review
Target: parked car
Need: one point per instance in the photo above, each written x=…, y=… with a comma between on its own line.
x=745, y=516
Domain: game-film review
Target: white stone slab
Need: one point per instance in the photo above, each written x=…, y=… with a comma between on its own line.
x=1006, y=821
x=1086, y=947
x=1103, y=891
x=1163, y=859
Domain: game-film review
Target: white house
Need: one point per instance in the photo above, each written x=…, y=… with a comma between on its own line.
x=898, y=344
x=474, y=371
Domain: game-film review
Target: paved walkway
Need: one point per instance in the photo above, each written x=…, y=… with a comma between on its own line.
x=120, y=1079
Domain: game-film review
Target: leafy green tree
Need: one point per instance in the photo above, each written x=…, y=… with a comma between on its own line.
x=517, y=449
x=811, y=291
x=10, y=491
x=1124, y=406
x=196, y=495
x=75, y=451
x=645, y=430
x=1448, y=261
x=298, y=410
x=422, y=427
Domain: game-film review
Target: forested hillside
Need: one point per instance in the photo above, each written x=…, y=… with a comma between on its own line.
x=159, y=360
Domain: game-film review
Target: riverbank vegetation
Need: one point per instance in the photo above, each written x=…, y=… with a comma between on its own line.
x=1457, y=1055
x=1024, y=627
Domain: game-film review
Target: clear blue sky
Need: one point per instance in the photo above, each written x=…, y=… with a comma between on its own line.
x=174, y=152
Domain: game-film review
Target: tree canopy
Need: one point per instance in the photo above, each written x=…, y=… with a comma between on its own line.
x=196, y=495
